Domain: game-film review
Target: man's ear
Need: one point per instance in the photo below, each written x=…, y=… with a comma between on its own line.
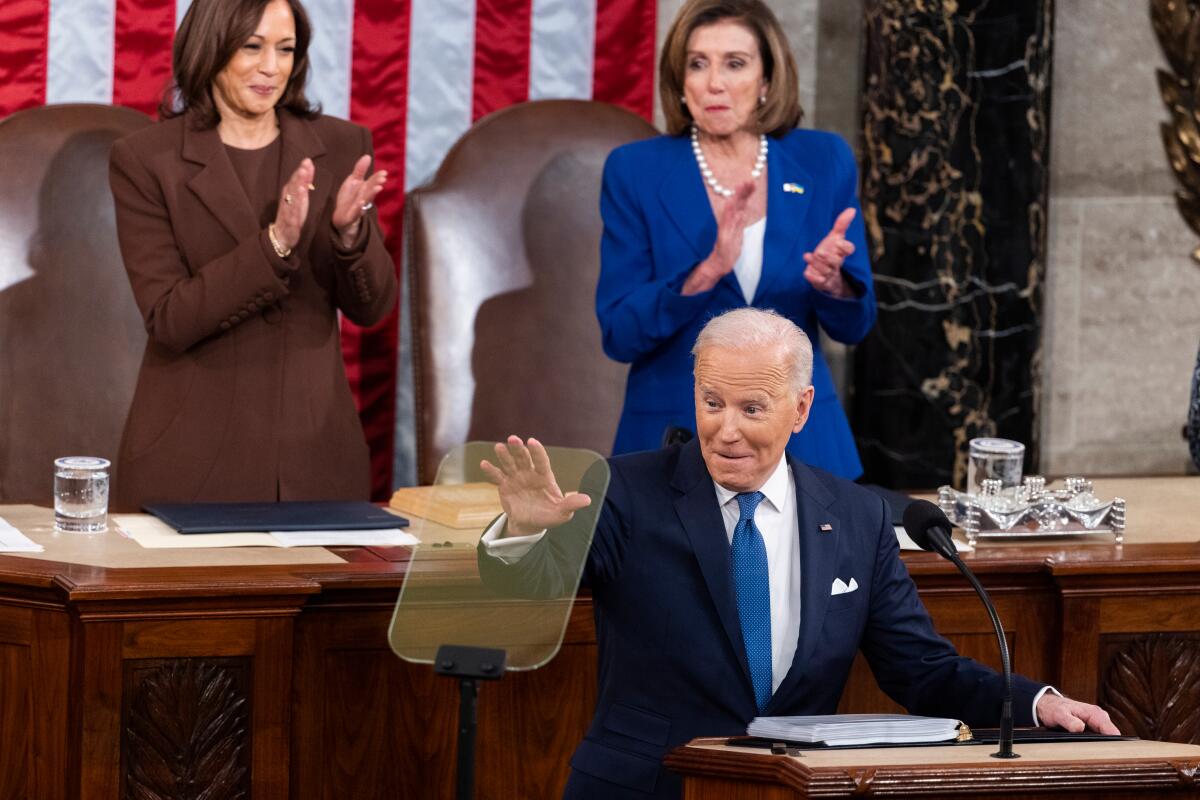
x=804, y=401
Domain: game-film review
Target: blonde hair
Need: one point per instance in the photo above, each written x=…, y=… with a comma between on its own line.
x=754, y=329
x=780, y=112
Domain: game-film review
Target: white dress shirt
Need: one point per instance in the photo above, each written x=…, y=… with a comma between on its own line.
x=777, y=521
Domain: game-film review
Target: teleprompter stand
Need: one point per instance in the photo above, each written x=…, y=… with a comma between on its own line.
x=470, y=665
x=474, y=614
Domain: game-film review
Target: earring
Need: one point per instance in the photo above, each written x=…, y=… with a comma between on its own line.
x=683, y=100
x=762, y=99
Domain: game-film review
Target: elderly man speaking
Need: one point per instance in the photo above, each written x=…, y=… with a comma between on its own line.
x=731, y=581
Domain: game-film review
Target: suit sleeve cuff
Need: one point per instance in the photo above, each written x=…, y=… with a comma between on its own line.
x=509, y=549
x=1038, y=697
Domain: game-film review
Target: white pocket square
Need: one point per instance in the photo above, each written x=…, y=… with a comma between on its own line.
x=841, y=587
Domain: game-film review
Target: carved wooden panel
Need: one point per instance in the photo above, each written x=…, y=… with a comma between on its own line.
x=1151, y=683
x=185, y=725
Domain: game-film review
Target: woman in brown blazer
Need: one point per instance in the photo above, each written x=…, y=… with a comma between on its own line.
x=245, y=223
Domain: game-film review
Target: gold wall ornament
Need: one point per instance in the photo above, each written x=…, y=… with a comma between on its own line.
x=1177, y=25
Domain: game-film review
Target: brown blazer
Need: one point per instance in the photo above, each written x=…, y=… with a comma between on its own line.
x=242, y=395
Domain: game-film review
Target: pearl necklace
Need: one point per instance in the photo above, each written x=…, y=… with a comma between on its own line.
x=760, y=161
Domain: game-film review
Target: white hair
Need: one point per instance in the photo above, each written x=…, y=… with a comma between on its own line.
x=747, y=329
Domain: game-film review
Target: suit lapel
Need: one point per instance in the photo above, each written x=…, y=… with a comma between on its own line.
x=818, y=561
x=685, y=201
x=696, y=506
x=786, y=212
x=219, y=188
x=216, y=184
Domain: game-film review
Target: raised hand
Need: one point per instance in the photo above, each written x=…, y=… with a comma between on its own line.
x=529, y=492
x=731, y=224
x=293, y=205
x=824, y=270
x=355, y=197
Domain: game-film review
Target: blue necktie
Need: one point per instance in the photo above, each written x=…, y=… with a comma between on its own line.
x=753, y=590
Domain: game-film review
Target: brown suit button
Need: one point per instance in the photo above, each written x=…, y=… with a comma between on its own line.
x=225, y=325
x=243, y=314
x=268, y=296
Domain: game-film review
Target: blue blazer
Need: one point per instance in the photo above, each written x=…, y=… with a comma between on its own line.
x=672, y=665
x=658, y=225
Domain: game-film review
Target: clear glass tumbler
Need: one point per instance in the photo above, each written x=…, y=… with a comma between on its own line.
x=81, y=494
x=1001, y=459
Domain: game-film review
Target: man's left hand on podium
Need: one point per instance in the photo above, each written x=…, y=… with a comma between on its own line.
x=1055, y=711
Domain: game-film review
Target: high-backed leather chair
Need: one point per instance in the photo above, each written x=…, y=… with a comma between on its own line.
x=503, y=257
x=71, y=337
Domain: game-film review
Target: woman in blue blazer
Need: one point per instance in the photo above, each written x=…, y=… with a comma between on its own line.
x=734, y=207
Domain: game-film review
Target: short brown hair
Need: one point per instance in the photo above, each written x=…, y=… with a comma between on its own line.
x=209, y=36
x=781, y=111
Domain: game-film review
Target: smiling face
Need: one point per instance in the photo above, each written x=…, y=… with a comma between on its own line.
x=723, y=77
x=746, y=410
x=255, y=78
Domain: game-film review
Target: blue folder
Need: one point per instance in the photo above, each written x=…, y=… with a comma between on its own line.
x=293, y=516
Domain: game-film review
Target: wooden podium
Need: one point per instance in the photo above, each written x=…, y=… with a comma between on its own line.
x=1116, y=769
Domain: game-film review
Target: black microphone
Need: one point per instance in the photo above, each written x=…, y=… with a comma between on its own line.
x=930, y=529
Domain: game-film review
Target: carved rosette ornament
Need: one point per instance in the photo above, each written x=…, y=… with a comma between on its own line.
x=1177, y=25
x=186, y=735
x=1151, y=685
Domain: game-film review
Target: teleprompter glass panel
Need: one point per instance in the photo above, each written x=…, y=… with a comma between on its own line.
x=458, y=592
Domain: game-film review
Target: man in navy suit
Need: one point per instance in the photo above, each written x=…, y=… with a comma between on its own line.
x=731, y=581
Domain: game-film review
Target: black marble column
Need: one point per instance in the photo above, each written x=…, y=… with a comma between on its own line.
x=955, y=147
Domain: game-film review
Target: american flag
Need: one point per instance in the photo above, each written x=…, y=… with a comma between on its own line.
x=418, y=73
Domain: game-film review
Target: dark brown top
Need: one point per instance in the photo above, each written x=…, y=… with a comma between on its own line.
x=258, y=172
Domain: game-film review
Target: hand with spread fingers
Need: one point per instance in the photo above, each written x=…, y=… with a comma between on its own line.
x=1055, y=711
x=529, y=492
x=356, y=197
x=824, y=270
x=293, y=206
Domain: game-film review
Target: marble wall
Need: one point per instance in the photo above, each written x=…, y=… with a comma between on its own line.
x=1123, y=295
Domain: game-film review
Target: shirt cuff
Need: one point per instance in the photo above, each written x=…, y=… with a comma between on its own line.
x=509, y=549
x=1038, y=697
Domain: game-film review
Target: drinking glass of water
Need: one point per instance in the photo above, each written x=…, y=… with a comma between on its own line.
x=81, y=494
x=1000, y=459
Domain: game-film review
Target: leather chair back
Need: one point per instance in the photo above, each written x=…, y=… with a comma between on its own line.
x=71, y=337
x=503, y=250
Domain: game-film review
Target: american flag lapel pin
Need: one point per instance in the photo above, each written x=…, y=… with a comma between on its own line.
x=826, y=527
x=793, y=188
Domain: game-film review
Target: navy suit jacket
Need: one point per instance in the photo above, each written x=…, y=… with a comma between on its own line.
x=658, y=225
x=672, y=665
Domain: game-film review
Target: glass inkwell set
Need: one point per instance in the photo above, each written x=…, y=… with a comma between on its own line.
x=999, y=504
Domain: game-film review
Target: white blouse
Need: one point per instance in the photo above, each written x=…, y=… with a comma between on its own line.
x=748, y=268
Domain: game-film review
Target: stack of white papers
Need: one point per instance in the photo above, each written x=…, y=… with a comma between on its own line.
x=855, y=729
x=13, y=541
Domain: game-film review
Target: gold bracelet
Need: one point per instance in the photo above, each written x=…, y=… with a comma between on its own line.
x=280, y=250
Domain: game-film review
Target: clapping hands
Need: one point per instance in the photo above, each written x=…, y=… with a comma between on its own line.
x=355, y=197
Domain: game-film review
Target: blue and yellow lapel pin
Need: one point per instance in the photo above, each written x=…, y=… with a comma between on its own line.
x=793, y=188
